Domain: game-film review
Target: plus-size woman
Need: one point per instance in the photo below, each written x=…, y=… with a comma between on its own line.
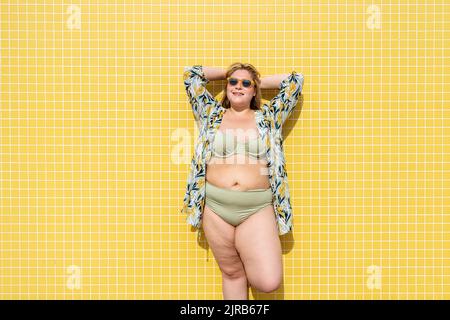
x=237, y=191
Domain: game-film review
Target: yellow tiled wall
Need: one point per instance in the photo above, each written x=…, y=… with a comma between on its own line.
x=96, y=135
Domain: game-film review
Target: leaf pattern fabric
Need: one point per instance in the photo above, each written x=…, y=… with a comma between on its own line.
x=208, y=114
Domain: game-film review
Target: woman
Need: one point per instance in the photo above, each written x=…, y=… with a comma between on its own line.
x=237, y=189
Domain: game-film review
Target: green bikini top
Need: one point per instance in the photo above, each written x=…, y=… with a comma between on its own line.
x=226, y=144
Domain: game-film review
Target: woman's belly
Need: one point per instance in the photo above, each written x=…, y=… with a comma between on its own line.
x=238, y=172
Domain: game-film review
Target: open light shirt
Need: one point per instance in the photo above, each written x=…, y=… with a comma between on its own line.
x=208, y=113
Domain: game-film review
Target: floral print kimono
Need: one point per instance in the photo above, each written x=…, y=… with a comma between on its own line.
x=208, y=114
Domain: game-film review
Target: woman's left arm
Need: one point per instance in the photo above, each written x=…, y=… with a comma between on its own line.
x=273, y=82
x=284, y=102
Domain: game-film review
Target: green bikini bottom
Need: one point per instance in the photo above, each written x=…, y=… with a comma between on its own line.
x=235, y=206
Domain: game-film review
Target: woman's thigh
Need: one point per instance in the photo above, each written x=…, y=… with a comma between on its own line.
x=258, y=244
x=220, y=236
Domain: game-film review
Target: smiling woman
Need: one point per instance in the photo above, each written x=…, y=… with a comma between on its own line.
x=242, y=88
x=242, y=207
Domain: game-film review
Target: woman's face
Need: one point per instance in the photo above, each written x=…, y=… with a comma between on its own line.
x=239, y=95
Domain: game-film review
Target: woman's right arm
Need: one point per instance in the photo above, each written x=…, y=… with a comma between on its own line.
x=195, y=80
x=212, y=73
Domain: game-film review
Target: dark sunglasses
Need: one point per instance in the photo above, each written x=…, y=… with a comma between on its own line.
x=245, y=83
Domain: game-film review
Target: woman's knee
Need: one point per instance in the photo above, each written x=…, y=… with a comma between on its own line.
x=268, y=284
x=233, y=270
